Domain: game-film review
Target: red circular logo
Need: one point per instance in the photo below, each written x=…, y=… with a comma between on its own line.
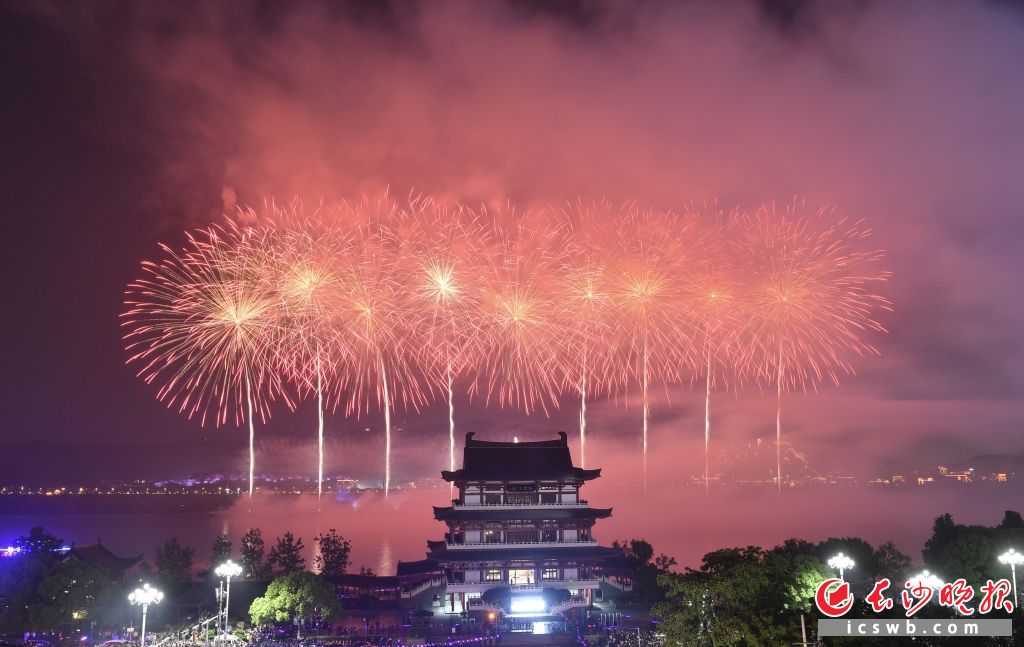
x=833, y=597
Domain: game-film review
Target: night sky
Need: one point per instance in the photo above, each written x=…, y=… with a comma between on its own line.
x=126, y=123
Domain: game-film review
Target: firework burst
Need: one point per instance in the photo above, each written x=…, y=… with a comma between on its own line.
x=584, y=292
x=201, y=326
x=812, y=300
x=519, y=315
x=374, y=310
x=443, y=248
x=306, y=281
x=714, y=298
x=655, y=337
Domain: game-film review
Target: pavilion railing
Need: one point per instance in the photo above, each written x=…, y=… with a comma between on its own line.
x=540, y=544
x=564, y=504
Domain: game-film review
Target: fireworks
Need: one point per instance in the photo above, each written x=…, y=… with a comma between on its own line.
x=519, y=316
x=810, y=298
x=305, y=279
x=714, y=298
x=201, y=325
x=374, y=311
x=444, y=250
x=380, y=304
x=584, y=290
x=655, y=333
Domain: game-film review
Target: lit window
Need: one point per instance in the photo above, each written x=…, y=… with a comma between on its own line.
x=550, y=574
x=493, y=575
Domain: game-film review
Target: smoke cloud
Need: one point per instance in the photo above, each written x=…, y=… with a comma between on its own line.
x=907, y=114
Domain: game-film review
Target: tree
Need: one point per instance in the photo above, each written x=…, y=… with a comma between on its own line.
x=333, y=553
x=971, y=552
x=286, y=556
x=252, y=549
x=174, y=561
x=220, y=552
x=740, y=596
x=639, y=553
x=891, y=563
x=73, y=590
x=19, y=582
x=1011, y=520
x=664, y=562
x=298, y=596
x=38, y=541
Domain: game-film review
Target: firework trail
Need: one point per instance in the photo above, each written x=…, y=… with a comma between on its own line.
x=519, y=314
x=654, y=330
x=811, y=298
x=375, y=307
x=200, y=324
x=713, y=296
x=444, y=249
x=305, y=278
x=584, y=291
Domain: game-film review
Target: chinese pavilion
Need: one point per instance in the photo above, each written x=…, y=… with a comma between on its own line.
x=520, y=537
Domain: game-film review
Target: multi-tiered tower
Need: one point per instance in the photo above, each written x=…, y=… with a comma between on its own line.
x=520, y=530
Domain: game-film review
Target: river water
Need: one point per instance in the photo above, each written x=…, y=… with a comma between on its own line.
x=683, y=522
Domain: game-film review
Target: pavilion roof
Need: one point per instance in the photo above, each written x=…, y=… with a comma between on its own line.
x=514, y=461
x=99, y=555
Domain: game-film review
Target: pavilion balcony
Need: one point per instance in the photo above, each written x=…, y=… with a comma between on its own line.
x=480, y=587
x=579, y=583
x=582, y=503
x=507, y=544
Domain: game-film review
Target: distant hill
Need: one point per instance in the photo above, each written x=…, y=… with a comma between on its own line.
x=988, y=463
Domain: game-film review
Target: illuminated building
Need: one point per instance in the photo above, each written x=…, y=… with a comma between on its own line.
x=520, y=538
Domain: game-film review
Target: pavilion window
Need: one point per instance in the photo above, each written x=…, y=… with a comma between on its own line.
x=493, y=575
x=521, y=536
x=521, y=576
x=550, y=574
x=521, y=498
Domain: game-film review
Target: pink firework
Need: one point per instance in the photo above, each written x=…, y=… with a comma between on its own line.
x=374, y=310
x=308, y=247
x=444, y=248
x=201, y=325
x=520, y=315
x=714, y=297
x=811, y=285
x=584, y=290
x=655, y=336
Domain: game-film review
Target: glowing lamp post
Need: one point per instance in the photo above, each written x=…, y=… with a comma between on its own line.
x=926, y=578
x=227, y=570
x=144, y=597
x=1014, y=559
x=841, y=563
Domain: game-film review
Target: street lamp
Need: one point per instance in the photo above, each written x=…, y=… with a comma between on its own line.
x=145, y=596
x=228, y=570
x=1013, y=558
x=925, y=578
x=841, y=563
